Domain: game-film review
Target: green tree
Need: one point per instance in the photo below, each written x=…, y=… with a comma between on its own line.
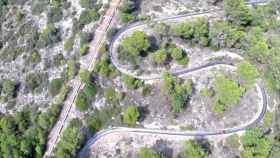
x=72, y=69
x=224, y=35
x=49, y=36
x=90, y=90
x=255, y=144
x=201, y=31
x=9, y=88
x=136, y=43
x=131, y=115
x=88, y=16
x=55, y=86
x=160, y=56
x=237, y=12
x=256, y=45
x=82, y=102
x=148, y=153
x=178, y=102
x=85, y=76
x=184, y=30
x=131, y=82
x=168, y=83
x=33, y=80
x=70, y=141
x=228, y=92
x=104, y=67
x=248, y=73
x=273, y=71
x=192, y=149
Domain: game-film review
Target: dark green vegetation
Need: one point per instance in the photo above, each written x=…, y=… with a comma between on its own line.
x=139, y=46
x=70, y=141
x=177, y=90
x=25, y=134
x=55, y=86
x=128, y=11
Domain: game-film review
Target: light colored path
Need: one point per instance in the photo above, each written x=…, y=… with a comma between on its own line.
x=68, y=108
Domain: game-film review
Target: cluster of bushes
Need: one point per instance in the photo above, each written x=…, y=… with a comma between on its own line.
x=88, y=16
x=102, y=118
x=128, y=11
x=255, y=144
x=33, y=81
x=163, y=55
x=104, y=67
x=49, y=36
x=178, y=90
x=197, y=31
x=227, y=93
x=131, y=115
x=55, y=86
x=136, y=45
x=71, y=140
x=89, y=91
x=25, y=134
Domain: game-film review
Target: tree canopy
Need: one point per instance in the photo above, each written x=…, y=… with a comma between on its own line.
x=192, y=149
x=136, y=43
x=228, y=93
x=131, y=115
x=237, y=12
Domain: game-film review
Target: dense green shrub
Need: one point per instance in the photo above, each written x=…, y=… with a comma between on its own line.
x=248, y=73
x=160, y=56
x=9, y=88
x=256, y=45
x=85, y=76
x=228, y=93
x=71, y=140
x=69, y=43
x=84, y=49
x=131, y=115
x=102, y=118
x=54, y=14
x=104, y=67
x=131, y=82
x=90, y=90
x=33, y=81
x=72, y=69
x=85, y=38
x=88, y=16
x=192, y=149
x=137, y=43
x=224, y=35
x=255, y=144
x=82, y=102
x=49, y=36
x=237, y=12
x=54, y=86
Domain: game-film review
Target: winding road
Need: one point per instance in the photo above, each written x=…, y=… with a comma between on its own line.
x=113, y=56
